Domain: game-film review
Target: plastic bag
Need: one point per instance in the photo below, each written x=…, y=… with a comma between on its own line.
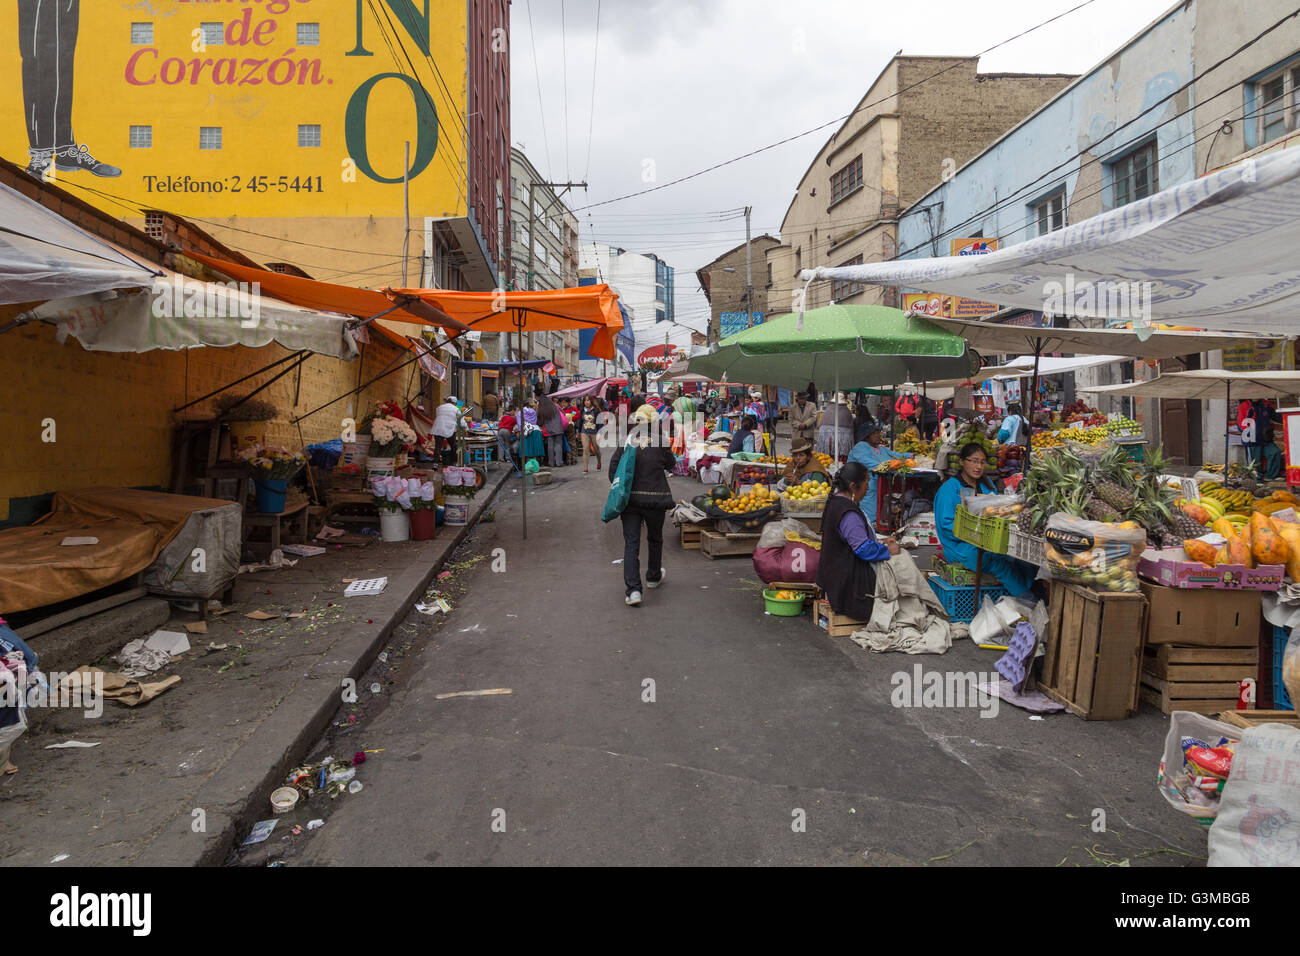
x=995, y=506
x=1291, y=666
x=1103, y=556
x=1256, y=824
x=1176, y=785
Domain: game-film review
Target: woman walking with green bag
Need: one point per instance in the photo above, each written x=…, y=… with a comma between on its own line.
x=648, y=501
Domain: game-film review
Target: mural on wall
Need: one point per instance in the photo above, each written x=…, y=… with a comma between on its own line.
x=47, y=40
x=263, y=108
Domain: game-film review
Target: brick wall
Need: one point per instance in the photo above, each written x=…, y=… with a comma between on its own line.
x=113, y=413
x=727, y=289
x=957, y=114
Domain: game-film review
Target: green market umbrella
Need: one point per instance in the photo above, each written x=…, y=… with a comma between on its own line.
x=852, y=345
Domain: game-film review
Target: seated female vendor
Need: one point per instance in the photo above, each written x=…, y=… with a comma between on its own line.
x=1016, y=576
x=850, y=549
x=743, y=440
x=802, y=467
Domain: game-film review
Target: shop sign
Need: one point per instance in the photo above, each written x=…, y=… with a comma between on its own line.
x=1259, y=355
x=729, y=323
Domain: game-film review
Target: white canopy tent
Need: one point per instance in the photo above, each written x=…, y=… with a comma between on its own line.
x=182, y=313
x=1208, y=383
x=1217, y=252
x=44, y=256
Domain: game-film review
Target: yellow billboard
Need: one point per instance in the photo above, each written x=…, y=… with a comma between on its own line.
x=253, y=108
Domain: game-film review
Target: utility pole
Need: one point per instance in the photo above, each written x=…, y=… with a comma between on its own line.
x=406, y=206
x=749, y=278
x=532, y=223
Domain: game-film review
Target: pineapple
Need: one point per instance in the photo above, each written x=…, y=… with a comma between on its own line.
x=1101, y=510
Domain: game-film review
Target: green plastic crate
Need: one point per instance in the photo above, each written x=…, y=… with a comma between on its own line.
x=991, y=534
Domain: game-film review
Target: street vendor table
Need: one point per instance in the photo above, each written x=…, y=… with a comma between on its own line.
x=891, y=483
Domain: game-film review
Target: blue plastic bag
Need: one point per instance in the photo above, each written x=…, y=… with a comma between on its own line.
x=620, y=490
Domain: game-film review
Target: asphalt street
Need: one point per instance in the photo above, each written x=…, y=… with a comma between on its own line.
x=766, y=741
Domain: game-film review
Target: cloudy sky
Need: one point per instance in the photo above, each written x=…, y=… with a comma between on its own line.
x=680, y=85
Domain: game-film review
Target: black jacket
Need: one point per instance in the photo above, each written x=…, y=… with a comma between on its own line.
x=649, y=480
x=849, y=582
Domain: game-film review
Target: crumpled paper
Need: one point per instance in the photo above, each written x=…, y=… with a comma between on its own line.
x=274, y=562
x=144, y=656
x=124, y=689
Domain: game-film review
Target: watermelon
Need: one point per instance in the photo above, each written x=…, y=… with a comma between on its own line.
x=719, y=492
x=701, y=501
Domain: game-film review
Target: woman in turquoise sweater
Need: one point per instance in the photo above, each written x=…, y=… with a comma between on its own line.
x=1016, y=576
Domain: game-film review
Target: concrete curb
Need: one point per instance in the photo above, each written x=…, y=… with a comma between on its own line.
x=285, y=736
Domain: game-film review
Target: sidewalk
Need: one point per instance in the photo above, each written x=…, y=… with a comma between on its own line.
x=170, y=781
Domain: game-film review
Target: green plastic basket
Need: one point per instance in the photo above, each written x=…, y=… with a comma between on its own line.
x=991, y=534
x=782, y=607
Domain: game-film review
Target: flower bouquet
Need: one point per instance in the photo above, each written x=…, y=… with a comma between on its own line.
x=389, y=435
x=267, y=462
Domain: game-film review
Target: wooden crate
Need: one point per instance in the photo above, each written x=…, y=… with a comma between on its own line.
x=1204, y=680
x=717, y=545
x=1253, y=718
x=690, y=534
x=836, y=625
x=811, y=592
x=1094, y=651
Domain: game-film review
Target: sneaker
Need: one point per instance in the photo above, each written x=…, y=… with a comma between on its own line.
x=663, y=572
x=41, y=160
x=633, y=599
x=72, y=158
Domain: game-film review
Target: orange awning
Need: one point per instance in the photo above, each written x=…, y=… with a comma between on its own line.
x=588, y=307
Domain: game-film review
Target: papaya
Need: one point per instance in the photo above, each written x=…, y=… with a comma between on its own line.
x=1286, y=496
x=1268, y=506
x=1266, y=545
x=1201, y=551
x=1239, y=553
x=1196, y=512
x=1222, y=556
x=1224, y=527
x=1290, y=533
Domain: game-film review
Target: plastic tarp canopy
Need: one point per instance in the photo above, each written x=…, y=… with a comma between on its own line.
x=1054, y=365
x=678, y=372
x=183, y=313
x=44, y=256
x=990, y=338
x=1209, y=383
x=594, y=307
x=1218, y=252
x=594, y=387
x=529, y=364
x=842, y=346
x=137, y=531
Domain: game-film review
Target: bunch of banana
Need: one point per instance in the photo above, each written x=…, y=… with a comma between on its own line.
x=1213, y=506
x=1238, y=502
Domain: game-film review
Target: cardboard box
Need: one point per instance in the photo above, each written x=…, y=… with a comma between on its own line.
x=1202, y=618
x=1171, y=568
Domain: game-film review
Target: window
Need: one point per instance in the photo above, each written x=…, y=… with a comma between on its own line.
x=309, y=134
x=769, y=275
x=846, y=180
x=841, y=290
x=1049, y=215
x=309, y=34
x=141, y=34
x=1133, y=177
x=1277, y=105
x=209, y=137
x=141, y=137
x=214, y=34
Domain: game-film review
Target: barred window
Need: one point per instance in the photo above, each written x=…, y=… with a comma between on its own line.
x=141, y=34
x=214, y=34
x=842, y=289
x=309, y=34
x=209, y=137
x=309, y=135
x=141, y=137
x=846, y=180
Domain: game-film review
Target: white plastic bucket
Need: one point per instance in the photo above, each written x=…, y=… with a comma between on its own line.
x=356, y=452
x=456, y=512
x=394, y=526
x=380, y=466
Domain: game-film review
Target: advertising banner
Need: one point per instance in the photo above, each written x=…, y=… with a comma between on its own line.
x=252, y=108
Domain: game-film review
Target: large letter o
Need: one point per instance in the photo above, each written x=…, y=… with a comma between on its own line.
x=354, y=126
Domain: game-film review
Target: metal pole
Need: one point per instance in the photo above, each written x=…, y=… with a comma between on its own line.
x=406, y=206
x=519, y=323
x=1033, y=394
x=1227, y=417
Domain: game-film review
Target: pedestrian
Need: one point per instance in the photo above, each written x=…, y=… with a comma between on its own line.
x=744, y=440
x=803, y=420
x=1015, y=428
x=864, y=422
x=551, y=423
x=649, y=503
x=590, y=429
x=491, y=405
x=506, y=438
x=850, y=551
x=446, y=420
x=929, y=419
x=758, y=410
x=835, y=430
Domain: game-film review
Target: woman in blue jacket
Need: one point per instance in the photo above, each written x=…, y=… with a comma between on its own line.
x=1016, y=576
